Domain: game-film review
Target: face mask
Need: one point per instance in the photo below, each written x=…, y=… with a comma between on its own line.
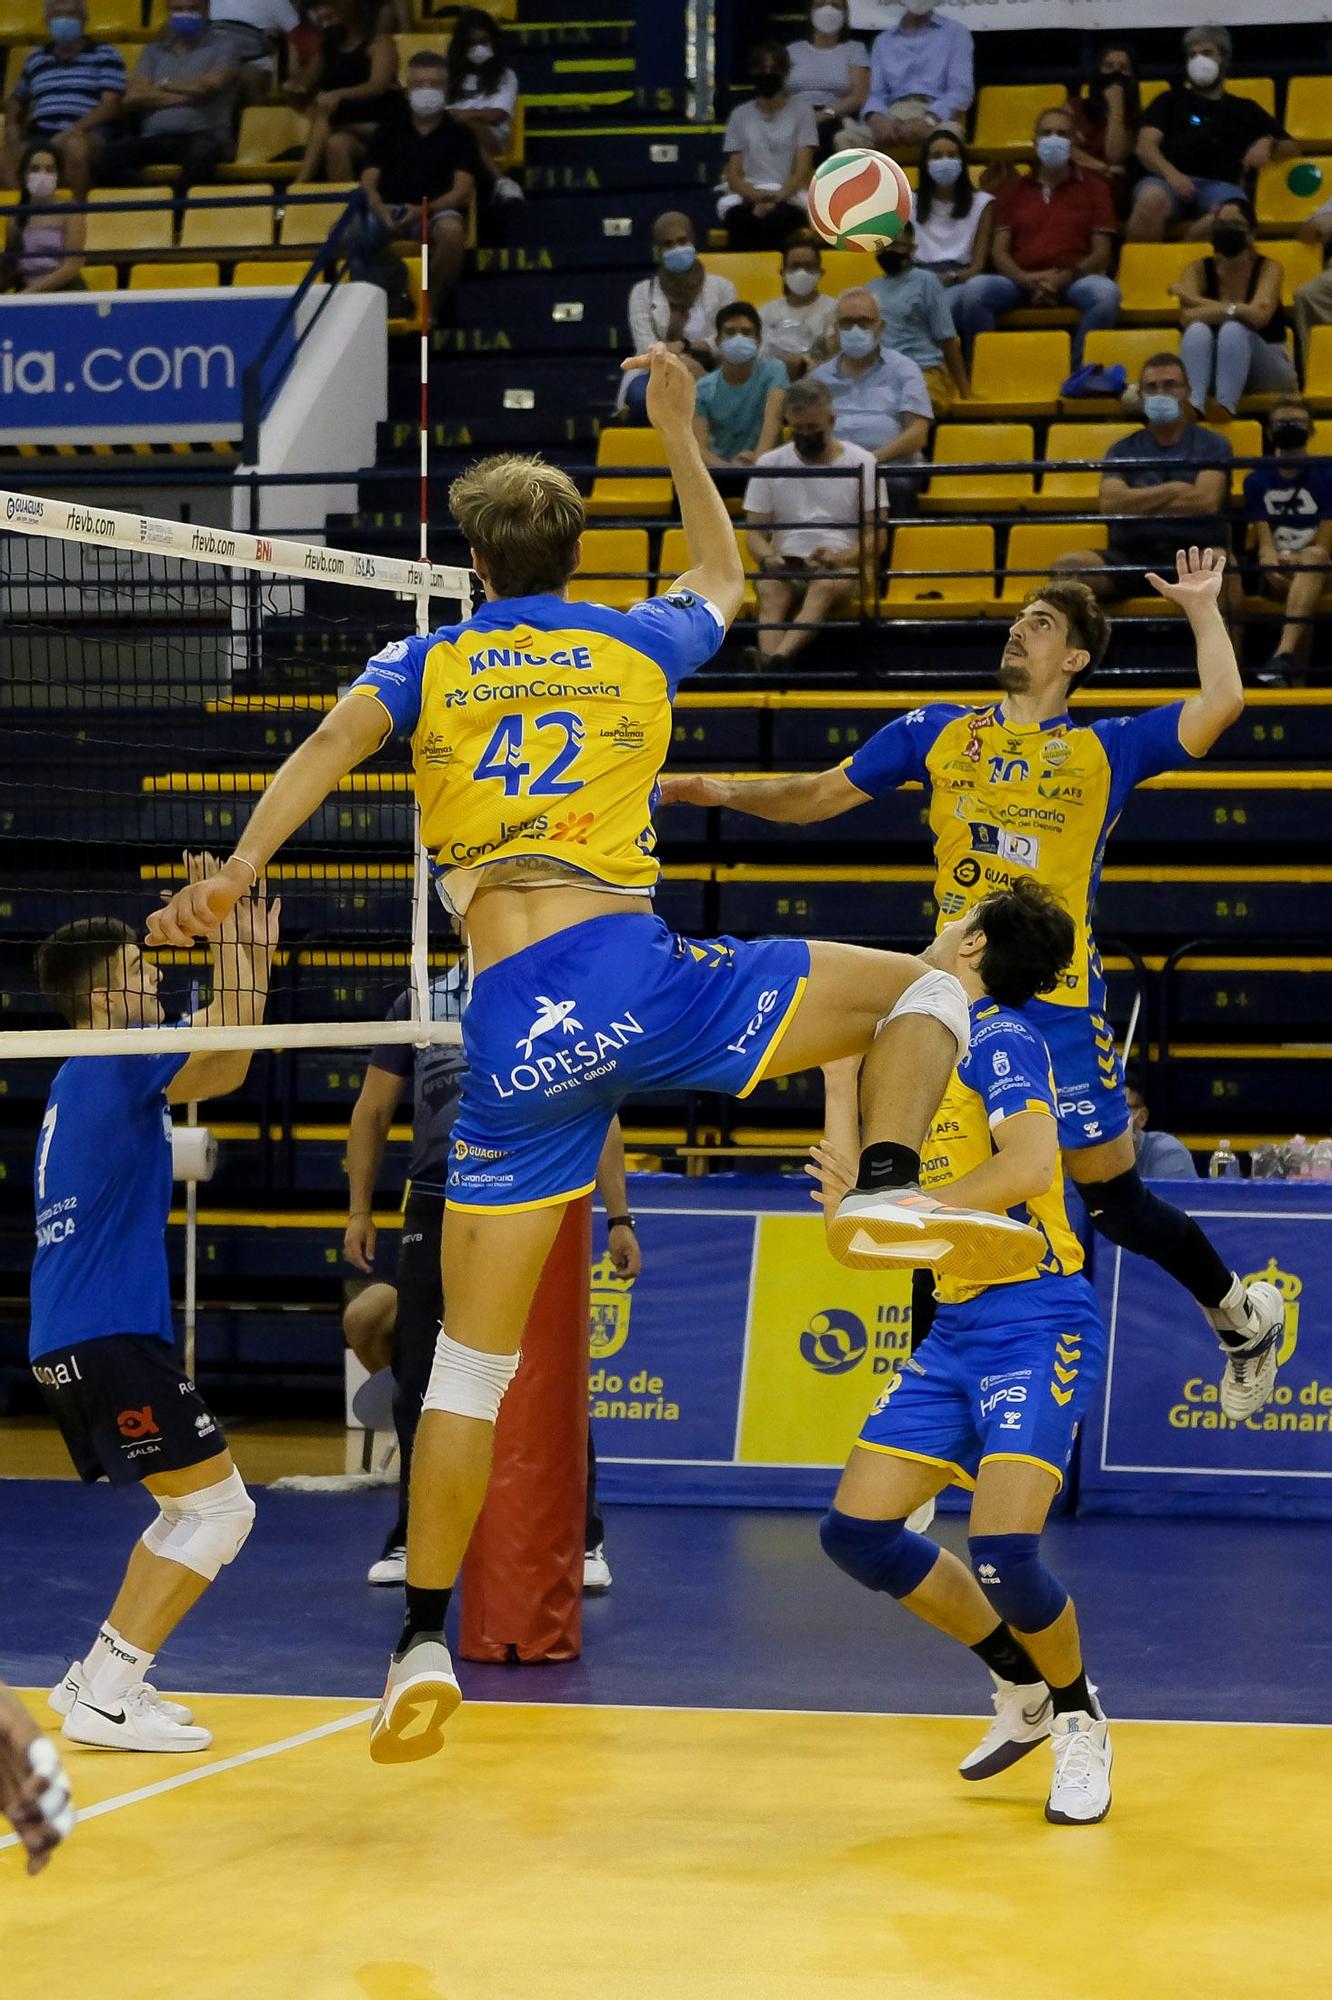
x=1203, y=71
x=738, y=348
x=826, y=20
x=66, y=28
x=1054, y=149
x=187, y=26
x=893, y=262
x=1230, y=239
x=857, y=341
x=42, y=184
x=811, y=444
x=769, y=84
x=680, y=257
x=427, y=100
x=801, y=283
x=1285, y=437
x=944, y=169
x=479, y=54
x=1114, y=76
x=1161, y=409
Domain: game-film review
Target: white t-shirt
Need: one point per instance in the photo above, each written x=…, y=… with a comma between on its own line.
x=471, y=97
x=947, y=238
x=796, y=330
x=768, y=141
x=822, y=77
x=650, y=310
x=270, y=17
x=828, y=510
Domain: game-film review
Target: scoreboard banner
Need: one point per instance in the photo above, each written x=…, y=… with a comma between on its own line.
x=985, y=16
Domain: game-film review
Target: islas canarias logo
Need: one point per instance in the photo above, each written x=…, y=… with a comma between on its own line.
x=834, y=1342
x=1290, y=1288
x=612, y=1297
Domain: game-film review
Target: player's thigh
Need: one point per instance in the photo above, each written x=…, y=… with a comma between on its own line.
x=877, y=1486
x=191, y=1478
x=494, y=1259
x=848, y=992
x=1012, y=1497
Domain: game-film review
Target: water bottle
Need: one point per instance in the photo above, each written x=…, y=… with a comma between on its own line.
x=1297, y=1157
x=1321, y=1162
x=1223, y=1165
x=1265, y=1164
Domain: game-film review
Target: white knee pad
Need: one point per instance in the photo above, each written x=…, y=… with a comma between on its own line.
x=204, y=1530
x=944, y=999
x=467, y=1382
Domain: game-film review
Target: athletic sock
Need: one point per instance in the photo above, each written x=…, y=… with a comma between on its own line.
x=887, y=1165
x=426, y=1612
x=1008, y=1657
x=1075, y=1698
x=113, y=1665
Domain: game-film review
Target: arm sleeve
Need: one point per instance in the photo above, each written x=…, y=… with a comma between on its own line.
x=1102, y=205
x=393, y=678
x=960, y=81
x=398, y=1058
x=640, y=316
x=915, y=392
x=733, y=138
x=114, y=64
x=896, y=753
x=23, y=88
x=680, y=631
x=758, y=496
x=1139, y=747
x=1254, y=489
x=1008, y=1066
x=877, y=100
x=147, y=1076
x=807, y=129
x=938, y=312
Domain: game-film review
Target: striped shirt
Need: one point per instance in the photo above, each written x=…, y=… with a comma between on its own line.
x=62, y=89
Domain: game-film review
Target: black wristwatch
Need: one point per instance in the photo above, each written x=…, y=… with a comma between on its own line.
x=621, y=1222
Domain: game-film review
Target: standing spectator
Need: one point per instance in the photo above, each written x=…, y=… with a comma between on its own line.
x=67, y=94
x=1054, y=234
x=424, y=156
x=348, y=88
x=1289, y=503
x=798, y=326
x=811, y=537
x=769, y=146
x=1170, y=478
x=921, y=73
x=739, y=405
x=1106, y=114
x=879, y=398
x=829, y=70
x=678, y=304
x=183, y=98
x=258, y=30
x=918, y=320
x=1160, y=1155
x=1313, y=302
x=1234, y=322
x=483, y=92
x=1197, y=143
x=953, y=218
x=43, y=241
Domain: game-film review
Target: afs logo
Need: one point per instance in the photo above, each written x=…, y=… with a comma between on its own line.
x=1290, y=1288
x=612, y=1297
x=834, y=1342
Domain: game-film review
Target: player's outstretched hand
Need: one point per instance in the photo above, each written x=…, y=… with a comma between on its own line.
x=832, y=1171
x=256, y=919
x=689, y=789
x=200, y=909
x=1198, y=578
x=670, y=390
x=34, y=1796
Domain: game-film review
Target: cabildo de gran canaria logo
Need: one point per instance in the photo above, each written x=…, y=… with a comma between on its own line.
x=834, y=1342
x=612, y=1297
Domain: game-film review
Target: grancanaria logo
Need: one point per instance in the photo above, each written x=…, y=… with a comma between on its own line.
x=1290, y=1288
x=611, y=1300
x=834, y=1342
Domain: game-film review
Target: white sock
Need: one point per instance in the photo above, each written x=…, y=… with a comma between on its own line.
x=113, y=1665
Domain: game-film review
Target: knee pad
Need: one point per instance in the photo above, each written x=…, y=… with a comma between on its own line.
x=883, y=1555
x=942, y=997
x=468, y=1382
x=1016, y=1582
x=204, y=1531
x=1129, y=1214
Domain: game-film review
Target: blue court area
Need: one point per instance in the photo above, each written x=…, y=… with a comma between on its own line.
x=1183, y=1619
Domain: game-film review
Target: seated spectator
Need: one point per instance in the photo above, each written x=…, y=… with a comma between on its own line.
x=1160, y=1156
x=348, y=88
x=1197, y=144
x=67, y=95
x=769, y=146
x=1106, y=114
x=1171, y=478
x=182, y=98
x=678, y=304
x=1054, y=234
x=738, y=407
x=798, y=326
x=829, y=70
x=921, y=73
x=918, y=320
x=483, y=92
x=1234, y=323
x=43, y=241
x=879, y=398
x=952, y=217
x=811, y=537
x=1289, y=502
x=421, y=154
x=258, y=30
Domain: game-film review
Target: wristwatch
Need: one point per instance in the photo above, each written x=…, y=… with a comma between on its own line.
x=1231, y=310
x=620, y=1222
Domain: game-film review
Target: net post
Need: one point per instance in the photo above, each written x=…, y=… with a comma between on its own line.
x=191, y=1312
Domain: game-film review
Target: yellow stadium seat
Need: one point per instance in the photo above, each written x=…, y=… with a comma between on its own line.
x=1299, y=262
x=515, y=152
x=1016, y=375
x=431, y=42
x=1147, y=270
x=1033, y=547
x=266, y=130
x=1260, y=88
x=280, y=271
x=756, y=274
x=99, y=277
x=673, y=561
x=623, y=446
x=1007, y=112
x=1064, y=489
x=1245, y=438
x=109, y=20
x=1278, y=207
x=612, y=550
x=129, y=230
x=845, y=271
x=311, y=221
x=1130, y=347
x=1318, y=367
x=1309, y=110
x=973, y=444
x=207, y=228
x=23, y=20
x=949, y=557
x=173, y=277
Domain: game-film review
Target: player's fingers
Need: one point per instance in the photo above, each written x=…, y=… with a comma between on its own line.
x=1157, y=582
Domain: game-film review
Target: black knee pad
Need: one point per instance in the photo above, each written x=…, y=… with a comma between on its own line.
x=1130, y=1215
x=1122, y=1209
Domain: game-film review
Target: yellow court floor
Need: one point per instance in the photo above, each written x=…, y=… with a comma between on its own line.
x=563, y=1853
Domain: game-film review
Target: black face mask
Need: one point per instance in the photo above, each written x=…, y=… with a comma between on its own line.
x=811, y=444
x=893, y=262
x=1288, y=437
x=768, y=83
x=1230, y=239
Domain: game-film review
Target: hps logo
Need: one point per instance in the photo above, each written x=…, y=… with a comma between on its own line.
x=834, y=1342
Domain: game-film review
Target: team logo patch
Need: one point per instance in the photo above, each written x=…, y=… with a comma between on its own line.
x=396, y=649
x=554, y=1014
x=1056, y=752
x=137, y=1423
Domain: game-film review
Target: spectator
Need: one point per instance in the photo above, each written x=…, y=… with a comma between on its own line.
x=1054, y=233
x=1289, y=502
x=424, y=155
x=1170, y=478
x=921, y=73
x=879, y=398
x=1106, y=114
x=43, y=245
x=678, y=304
x=1160, y=1155
x=798, y=326
x=67, y=94
x=258, y=30
x=769, y=146
x=811, y=537
x=1313, y=302
x=183, y=99
x=918, y=320
x=953, y=218
x=1197, y=143
x=348, y=88
x=1233, y=319
x=829, y=70
x=483, y=92
x=739, y=405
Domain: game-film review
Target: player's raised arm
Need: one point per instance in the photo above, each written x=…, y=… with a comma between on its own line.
x=715, y=569
x=799, y=798
x=1220, y=697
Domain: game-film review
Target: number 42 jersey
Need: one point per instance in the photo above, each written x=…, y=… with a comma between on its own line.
x=537, y=730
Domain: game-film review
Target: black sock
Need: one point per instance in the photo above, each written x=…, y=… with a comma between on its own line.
x=887, y=1165
x=1076, y=1696
x=426, y=1612
x=1008, y=1657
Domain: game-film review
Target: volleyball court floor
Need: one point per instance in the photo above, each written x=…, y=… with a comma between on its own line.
x=745, y=1787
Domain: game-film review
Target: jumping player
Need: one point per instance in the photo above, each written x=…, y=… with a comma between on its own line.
x=993, y=1397
x=101, y=1342
x=1017, y=788
x=538, y=729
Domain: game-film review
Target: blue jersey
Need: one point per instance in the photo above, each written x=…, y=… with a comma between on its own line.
x=103, y=1193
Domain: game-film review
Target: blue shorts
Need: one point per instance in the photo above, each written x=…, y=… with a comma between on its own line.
x=558, y=1035
x=1007, y=1375
x=1089, y=1082
x=1210, y=194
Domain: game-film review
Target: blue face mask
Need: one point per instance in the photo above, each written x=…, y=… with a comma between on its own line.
x=186, y=26
x=857, y=341
x=1161, y=409
x=680, y=257
x=66, y=28
x=945, y=169
x=1054, y=149
x=738, y=348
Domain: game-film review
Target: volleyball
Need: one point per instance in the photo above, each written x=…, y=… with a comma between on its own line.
x=859, y=200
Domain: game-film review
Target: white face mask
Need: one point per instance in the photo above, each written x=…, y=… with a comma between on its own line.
x=42, y=184
x=479, y=54
x=801, y=283
x=426, y=100
x=826, y=20
x=1204, y=71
